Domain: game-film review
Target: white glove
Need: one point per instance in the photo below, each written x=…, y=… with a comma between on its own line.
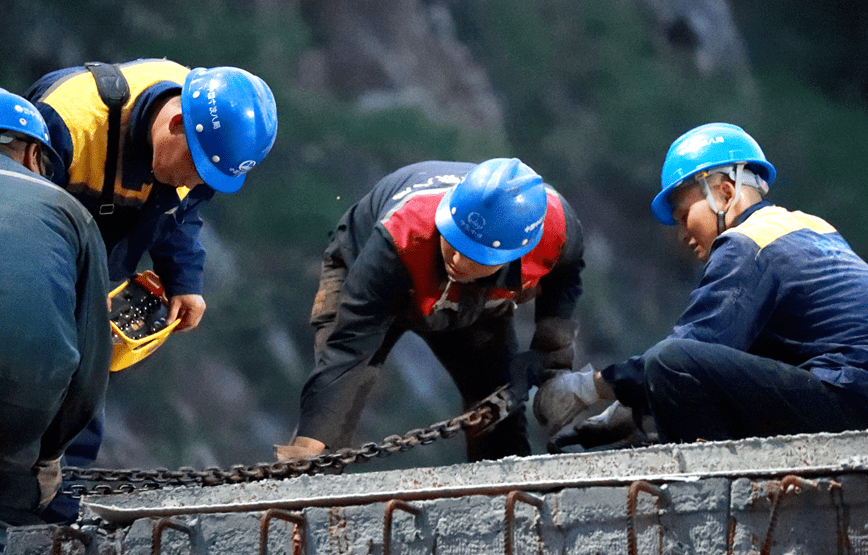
x=582, y=384
x=564, y=397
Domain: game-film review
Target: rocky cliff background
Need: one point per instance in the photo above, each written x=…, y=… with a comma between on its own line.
x=589, y=93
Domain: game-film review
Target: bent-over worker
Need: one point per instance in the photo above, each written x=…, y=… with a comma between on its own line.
x=55, y=342
x=446, y=250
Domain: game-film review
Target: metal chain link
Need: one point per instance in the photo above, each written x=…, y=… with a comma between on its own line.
x=100, y=481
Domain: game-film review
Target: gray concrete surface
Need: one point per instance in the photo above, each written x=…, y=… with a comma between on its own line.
x=793, y=494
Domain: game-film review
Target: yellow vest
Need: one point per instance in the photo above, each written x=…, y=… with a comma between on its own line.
x=76, y=100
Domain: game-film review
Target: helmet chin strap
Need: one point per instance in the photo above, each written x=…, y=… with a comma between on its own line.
x=712, y=202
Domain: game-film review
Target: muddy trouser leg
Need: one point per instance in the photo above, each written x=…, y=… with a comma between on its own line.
x=83, y=451
x=702, y=390
x=323, y=315
x=477, y=358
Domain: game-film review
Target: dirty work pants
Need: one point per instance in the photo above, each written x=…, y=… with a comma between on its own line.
x=476, y=358
x=702, y=390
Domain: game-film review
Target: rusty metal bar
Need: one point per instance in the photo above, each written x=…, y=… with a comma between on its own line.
x=391, y=507
x=265, y=521
x=509, y=522
x=162, y=524
x=632, y=501
x=66, y=533
x=842, y=518
x=126, y=515
x=730, y=535
x=787, y=484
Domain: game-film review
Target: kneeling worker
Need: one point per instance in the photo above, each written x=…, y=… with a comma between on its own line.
x=774, y=339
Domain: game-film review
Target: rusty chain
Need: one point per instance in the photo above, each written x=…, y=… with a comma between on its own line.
x=100, y=481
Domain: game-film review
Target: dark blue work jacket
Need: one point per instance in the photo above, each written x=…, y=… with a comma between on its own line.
x=786, y=286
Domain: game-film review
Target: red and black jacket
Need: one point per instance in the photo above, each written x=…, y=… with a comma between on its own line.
x=396, y=275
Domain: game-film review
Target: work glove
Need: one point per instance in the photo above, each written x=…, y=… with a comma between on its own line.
x=566, y=396
x=300, y=448
x=49, y=476
x=613, y=428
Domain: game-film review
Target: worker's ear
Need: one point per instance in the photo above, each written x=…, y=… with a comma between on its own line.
x=725, y=193
x=31, y=158
x=176, y=124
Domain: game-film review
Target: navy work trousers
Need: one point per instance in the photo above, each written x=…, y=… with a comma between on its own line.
x=697, y=390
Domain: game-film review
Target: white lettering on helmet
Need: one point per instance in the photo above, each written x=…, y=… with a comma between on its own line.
x=476, y=220
x=212, y=107
x=693, y=144
x=242, y=168
x=534, y=225
x=470, y=230
x=24, y=109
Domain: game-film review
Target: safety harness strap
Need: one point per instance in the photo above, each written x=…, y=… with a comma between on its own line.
x=115, y=92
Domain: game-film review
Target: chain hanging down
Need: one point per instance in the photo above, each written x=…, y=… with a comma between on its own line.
x=99, y=481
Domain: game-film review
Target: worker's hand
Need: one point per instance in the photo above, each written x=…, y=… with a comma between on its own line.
x=189, y=308
x=49, y=477
x=613, y=425
x=565, y=396
x=300, y=448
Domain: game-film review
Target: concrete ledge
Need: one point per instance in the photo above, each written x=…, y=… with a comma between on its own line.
x=789, y=494
x=801, y=454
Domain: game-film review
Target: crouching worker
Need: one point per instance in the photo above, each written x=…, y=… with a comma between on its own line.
x=446, y=250
x=774, y=339
x=55, y=342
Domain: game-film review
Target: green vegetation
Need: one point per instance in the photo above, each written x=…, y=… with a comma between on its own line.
x=592, y=97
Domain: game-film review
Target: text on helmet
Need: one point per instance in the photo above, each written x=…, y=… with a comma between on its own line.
x=535, y=225
x=694, y=144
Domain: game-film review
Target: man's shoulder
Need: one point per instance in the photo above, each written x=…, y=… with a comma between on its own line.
x=28, y=186
x=431, y=173
x=770, y=223
x=394, y=191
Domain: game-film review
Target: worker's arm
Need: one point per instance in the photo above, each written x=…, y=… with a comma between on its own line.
x=86, y=389
x=560, y=289
x=179, y=260
x=734, y=298
x=335, y=394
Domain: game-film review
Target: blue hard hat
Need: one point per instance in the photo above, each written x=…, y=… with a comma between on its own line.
x=495, y=214
x=17, y=114
x=703, y=148
x=230, y=119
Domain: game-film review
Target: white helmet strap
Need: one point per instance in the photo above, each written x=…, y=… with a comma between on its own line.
x=712, y=202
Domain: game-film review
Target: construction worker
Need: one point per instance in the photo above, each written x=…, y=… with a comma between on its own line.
x=774, y=339
x=144, y=144
x=178, y=129
x=447, y=250
x=55, y=343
